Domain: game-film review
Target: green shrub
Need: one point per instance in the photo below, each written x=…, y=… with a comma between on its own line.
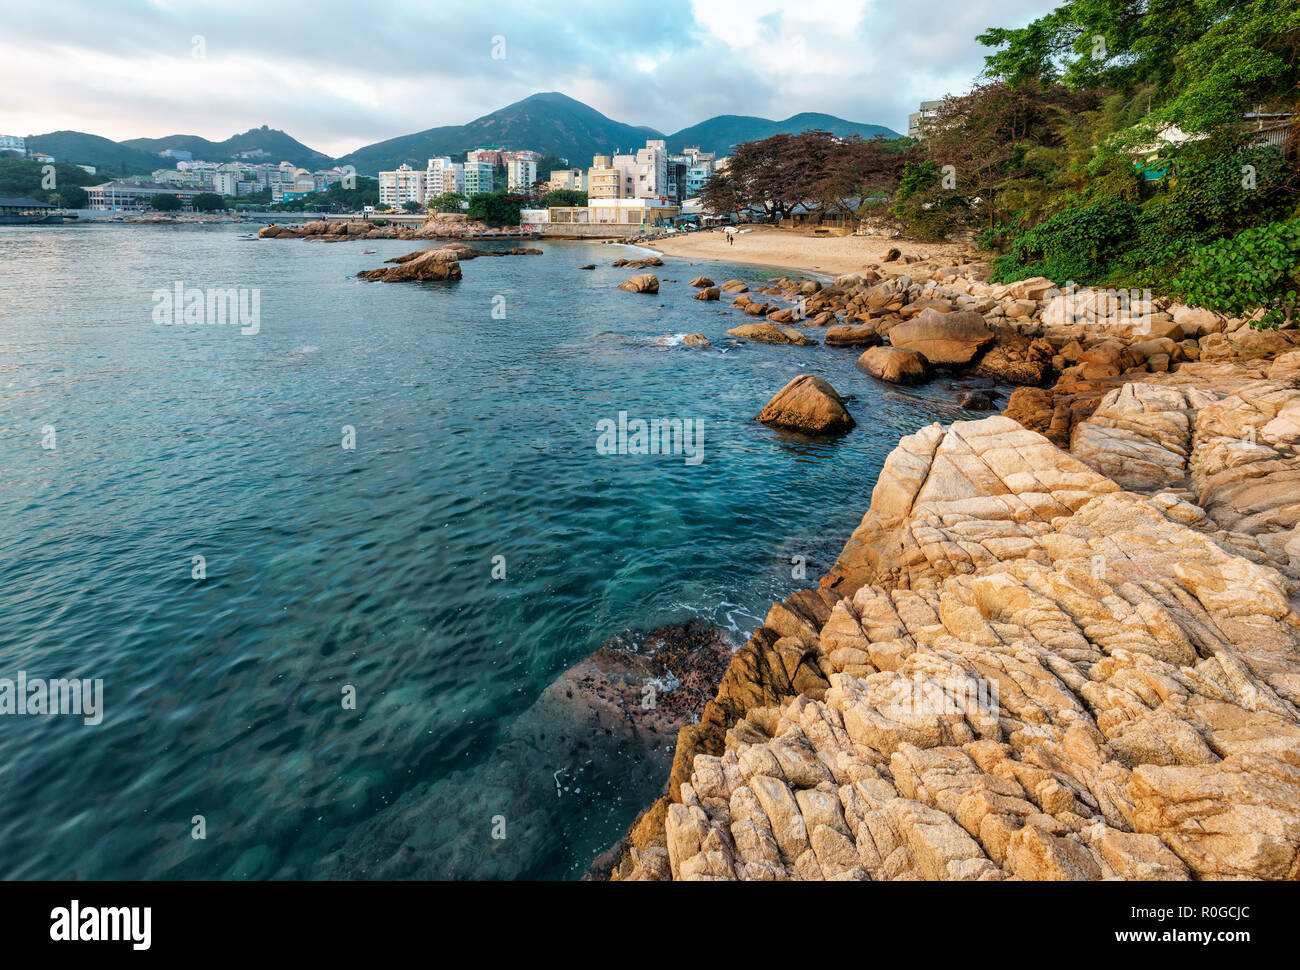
x=1256, y=268
x=1074, y=244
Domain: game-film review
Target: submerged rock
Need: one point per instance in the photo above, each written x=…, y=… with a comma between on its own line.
x=808, y=404
x=604, y=729
x=976, y=401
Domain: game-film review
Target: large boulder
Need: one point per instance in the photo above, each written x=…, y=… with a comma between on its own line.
x=708, y=293
x=420, y=266
x=894, y=364
x=768, y=333
x=810, y=405
x=946, y=339
x=701, y=282
x=852, y=335
x=641, y=283
x=1037, y=288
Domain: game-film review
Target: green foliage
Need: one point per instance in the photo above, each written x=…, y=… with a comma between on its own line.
x=69, y=197
x=499, y=207
x=411, y=206
x=564, y=197
x=1256, y=268
x=918, y=177
x=208, y=202
x=930, y=210
x=364, y=192
x=1215, y=226
x=447, y=202
x=1071, y=245
x=165, y=203
x=22, y=178
x=550, y=162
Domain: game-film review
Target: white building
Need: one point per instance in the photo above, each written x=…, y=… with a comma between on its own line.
x=478, y=177
x=521, y=173
x=13, y=143
x=444, y=176
x=225, y=183
x=402, y=186
x=123, y=194
x=640, y=176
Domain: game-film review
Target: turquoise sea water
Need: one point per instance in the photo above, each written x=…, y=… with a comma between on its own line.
x=475, y=438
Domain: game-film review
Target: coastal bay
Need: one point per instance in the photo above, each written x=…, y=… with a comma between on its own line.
x=475, y=437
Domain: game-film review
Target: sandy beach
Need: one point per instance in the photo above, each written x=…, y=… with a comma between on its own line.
x=794, y=250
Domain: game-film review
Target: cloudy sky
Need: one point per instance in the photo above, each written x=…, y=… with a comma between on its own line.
x=341, y=75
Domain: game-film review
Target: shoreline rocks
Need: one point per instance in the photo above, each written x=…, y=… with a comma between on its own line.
x=1072, y=654
x=852, y=335
x=946, y=339
x=436, y=226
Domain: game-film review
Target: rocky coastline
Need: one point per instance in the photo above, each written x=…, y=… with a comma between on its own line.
x=1064, y=641
x=1062, y=644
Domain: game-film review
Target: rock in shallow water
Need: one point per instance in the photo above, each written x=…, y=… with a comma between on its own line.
x=894, y=364
x=852, y=335
x=770, y=333
x=810, y=405
x=641, y=283
x=423, y=265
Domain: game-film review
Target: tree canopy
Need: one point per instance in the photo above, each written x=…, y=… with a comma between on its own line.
x=778, y=173
x=499, y=207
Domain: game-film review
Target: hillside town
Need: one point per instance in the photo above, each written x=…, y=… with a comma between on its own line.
x=649, y=185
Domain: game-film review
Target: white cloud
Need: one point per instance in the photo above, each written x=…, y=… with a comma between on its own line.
x=337, y=76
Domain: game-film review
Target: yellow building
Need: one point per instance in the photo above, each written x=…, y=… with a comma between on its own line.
x=603, y=179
